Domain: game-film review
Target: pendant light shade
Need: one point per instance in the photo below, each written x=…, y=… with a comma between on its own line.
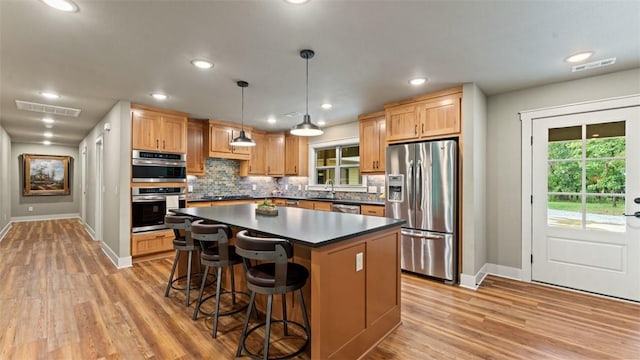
x=306, y=127
x=242, y=139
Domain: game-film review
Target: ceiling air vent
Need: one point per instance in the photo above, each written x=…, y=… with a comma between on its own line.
x=293, y=114
x=593, y=65
x=47, y=109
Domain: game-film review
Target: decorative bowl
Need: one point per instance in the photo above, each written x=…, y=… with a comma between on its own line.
x=267, y=210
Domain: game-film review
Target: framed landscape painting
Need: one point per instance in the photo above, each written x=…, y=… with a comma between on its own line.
x=46, y=175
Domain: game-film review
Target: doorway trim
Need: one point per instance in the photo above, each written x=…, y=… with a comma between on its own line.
x=526, y=118
x=99, y=184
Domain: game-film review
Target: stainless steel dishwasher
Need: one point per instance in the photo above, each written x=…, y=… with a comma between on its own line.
x=350, y=209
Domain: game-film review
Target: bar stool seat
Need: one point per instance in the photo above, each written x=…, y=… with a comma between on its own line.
x=216, y=252
x=277, y=277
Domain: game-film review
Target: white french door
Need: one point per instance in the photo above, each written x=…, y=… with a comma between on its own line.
x=586, y=190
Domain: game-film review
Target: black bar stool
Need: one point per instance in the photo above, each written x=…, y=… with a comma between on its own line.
x=216, y=252
x=277, y=277
x=181, y=243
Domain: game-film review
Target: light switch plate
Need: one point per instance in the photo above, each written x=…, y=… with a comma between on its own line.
x=190, y=188
x=286, y=186
x=372, y=189
x=254, y=187
x=359, y=261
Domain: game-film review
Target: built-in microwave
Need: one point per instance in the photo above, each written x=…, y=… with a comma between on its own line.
x=148, y=166
x=149, y=206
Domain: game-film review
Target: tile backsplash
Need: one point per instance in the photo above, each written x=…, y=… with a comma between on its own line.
x=222, y=178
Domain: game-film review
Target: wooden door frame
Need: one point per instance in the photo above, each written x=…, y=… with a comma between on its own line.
x=527, y=117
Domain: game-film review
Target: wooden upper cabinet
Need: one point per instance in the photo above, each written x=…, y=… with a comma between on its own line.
x=372, y=143
x=158, y=129
x=257, y=157
x=402, y=123
x=218, y=141
x=440, y=117
x=296, y=155
x=195, y=147
x=275, y=154
x=431, y=116
x=174, y=134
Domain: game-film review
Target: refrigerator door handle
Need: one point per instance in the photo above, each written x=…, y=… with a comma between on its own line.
x=412, y=198
x=419, y=184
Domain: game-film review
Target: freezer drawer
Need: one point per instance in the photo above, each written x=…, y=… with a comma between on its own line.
x=428, y=253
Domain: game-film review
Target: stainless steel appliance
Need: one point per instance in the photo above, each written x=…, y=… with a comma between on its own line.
x=421, y=184
x=350, y=209
x=148, y=166
x=149, y=205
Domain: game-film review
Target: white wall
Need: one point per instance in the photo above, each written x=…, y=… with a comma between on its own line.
x=338, y=132
x=116, y=209
x=473, y=177
x=43, y=206
x=5, y=181
x=504, y=145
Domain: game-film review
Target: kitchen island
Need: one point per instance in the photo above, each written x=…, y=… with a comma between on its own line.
x=353, y=293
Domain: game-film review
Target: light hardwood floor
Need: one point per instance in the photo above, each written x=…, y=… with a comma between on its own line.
x=61, y=298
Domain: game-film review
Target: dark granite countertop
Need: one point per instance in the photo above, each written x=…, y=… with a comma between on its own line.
x=244, y=197
x=306, y=227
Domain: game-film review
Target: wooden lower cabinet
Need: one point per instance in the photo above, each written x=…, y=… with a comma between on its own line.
x=151, y=242
x=315, y=205
x=373, y=210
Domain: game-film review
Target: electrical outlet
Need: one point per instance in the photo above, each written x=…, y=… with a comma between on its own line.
x=254, y=187
x=372, y=189
x=286, y=186
x=190, y=188
x=299, y=187
x=306, y=187
x=30, y=208
x=359, y=261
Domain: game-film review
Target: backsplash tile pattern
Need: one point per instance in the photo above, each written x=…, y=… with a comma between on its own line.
x=222, y=179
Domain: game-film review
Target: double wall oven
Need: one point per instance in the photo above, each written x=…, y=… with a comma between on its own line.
x=149, y=204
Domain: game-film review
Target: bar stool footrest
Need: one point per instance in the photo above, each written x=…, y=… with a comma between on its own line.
x=255, y=356
x=194, y=276
x=230, y=312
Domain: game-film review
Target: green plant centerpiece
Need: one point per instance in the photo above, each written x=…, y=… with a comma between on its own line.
x=266, y=208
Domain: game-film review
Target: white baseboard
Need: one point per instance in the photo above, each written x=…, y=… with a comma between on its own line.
x=118, y=262
x=45, y=217
x=473, y=281
x=5, y=230
x=90, y=231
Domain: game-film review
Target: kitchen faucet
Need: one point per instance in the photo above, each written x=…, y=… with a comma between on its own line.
x=333, y=193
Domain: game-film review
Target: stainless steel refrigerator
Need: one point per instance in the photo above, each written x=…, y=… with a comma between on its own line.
x=421, y=185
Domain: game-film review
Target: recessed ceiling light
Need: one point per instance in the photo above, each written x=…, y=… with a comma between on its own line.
x=46, y=142
x=417, y=81
x=48, y=126
x=271, y=121
x=62, y=5
x=48, y=120
x=159, y=96
x=326, y=106
x=201, y=64
x=322, y=123
x=49, y=95
x=297, y=2
x=48, y=134
x=579, y=57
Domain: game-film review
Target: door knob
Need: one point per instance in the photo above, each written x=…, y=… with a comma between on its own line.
x=637, y=200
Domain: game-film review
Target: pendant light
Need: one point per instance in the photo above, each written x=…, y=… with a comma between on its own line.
x=242, y=139
x=306, y=127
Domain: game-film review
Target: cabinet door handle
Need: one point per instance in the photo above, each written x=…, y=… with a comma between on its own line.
x=157, y=144
x=295, y=168
x=423, y=128
x=370, y=212
x=164, y=143
x=415, y=130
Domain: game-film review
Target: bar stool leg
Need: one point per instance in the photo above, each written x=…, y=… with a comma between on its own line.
x=233, y=285
x=267, y=330
x=173, y=270
x=215, y=315
x=188, y=287
x=199, y=302
x=284, y=315
x=243, y=335
x=304, y=314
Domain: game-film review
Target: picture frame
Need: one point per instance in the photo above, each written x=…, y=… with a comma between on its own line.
x=46, y=175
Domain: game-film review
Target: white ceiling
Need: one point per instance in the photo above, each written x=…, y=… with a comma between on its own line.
x=366, y=51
